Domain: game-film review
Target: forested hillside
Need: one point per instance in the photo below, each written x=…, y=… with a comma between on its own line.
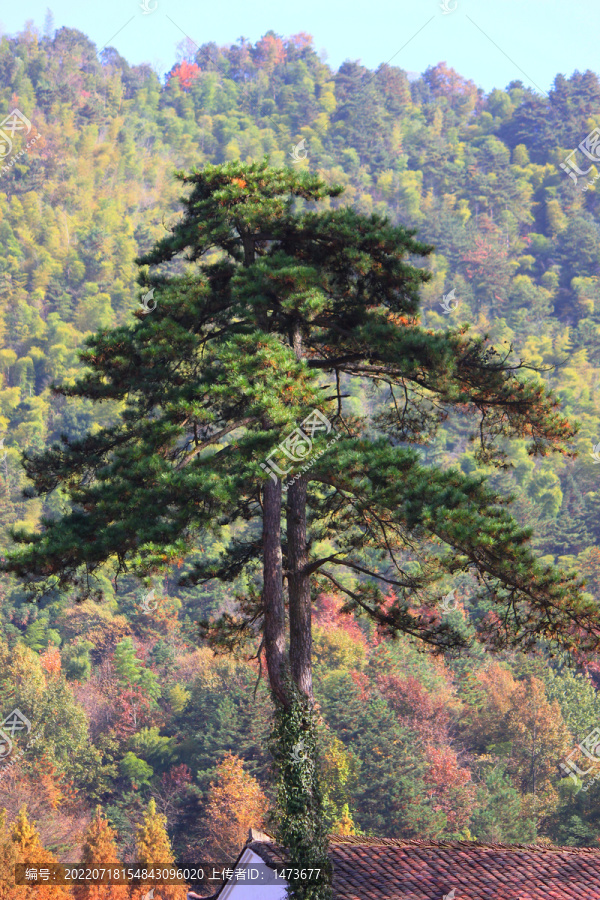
x=132, y=713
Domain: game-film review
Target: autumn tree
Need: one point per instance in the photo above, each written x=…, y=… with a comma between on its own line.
x=538, y=739
x=153, y=847
x=236, y=803
x=8, y=859
x=51, y=662
x=186, y=72
x=29, y=849
x=269, y=51
x=449, y=787
x=339, y=778
x=99, y=848
x=488, y=694
x=514, y=723
x=133, y=711
x=239, y=376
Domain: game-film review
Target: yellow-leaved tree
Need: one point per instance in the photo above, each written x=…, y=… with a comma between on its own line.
x=153, y=849
x=8, y=858
x=236, y=803
x=29, y=850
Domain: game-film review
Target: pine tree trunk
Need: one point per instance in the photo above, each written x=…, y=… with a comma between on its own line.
x=274, y=610
x=298, y=581
x=299, y=589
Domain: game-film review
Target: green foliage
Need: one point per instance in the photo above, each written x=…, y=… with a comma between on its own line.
x=38, y=635
x=389, y=793
x=499, y=816
x=221, y=715
x=300, y=818
x=77, y=662
x=155, y=749
x=521, y=249
x=130, y=669
x=578, y=700
x=136, y=770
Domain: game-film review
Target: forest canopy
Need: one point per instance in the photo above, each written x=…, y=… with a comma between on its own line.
x=133, y=709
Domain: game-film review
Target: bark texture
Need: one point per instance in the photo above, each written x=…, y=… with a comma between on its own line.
x=299, y=589
x=273, y=605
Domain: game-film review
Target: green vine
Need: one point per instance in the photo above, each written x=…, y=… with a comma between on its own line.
x=300, y=822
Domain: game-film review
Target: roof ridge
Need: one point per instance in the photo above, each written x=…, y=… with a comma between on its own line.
x=426, y=842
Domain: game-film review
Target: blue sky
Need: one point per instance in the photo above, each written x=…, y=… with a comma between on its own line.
x=492, y=42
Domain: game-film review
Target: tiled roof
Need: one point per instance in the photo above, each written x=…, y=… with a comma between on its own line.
x=380, y=869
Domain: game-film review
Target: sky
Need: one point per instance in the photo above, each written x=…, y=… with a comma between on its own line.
x=492, y=42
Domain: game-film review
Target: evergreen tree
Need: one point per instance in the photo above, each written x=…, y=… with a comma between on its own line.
x=390, y=791
x=245, y=346
x=131, y=671
x=247, y=356
x=498, y=817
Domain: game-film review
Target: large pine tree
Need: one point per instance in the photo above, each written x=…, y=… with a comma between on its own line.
x=270, y=313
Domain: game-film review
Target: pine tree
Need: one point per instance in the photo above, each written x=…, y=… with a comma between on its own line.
x=99, y=849
x=126, y=663
x=573, y=528
x=238, y=377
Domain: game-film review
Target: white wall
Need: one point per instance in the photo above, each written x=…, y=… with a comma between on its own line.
x=239, y=890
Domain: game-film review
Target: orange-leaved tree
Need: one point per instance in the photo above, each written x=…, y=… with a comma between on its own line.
x=29, y=850
x=100, y=849
x=236, y=802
